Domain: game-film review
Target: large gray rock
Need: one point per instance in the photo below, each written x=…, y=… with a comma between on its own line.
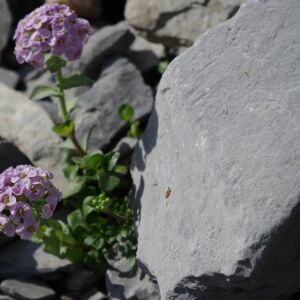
x=107, y=41
x=27, y=125
x=177, y=23
x=27, y=290
x=217, y=172
x=24, y=259
x=120, y=82
x=5, y=23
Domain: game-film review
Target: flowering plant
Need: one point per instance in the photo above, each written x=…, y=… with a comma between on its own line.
x=26, y=196
x=101, y=221
x=53, y=29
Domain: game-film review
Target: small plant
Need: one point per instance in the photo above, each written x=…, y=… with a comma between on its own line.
x=101, y=221
x=126, y=113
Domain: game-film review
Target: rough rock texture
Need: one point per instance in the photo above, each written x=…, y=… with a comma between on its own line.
x=124, y=283
x=217, y=173
x=27, y=290
x=176, y=22
x=90, y=9
x=27, y=125
x=145, y=55
x=24, y=259
x=9, y=77
x=4, y=297
x=110, y=40
x=94, y=294
x=5, y=23
x=120, y=82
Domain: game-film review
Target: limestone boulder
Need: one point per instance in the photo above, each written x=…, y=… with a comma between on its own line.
x=177, y=23
x=217, y=173
x=26, y=125
x=120, y=82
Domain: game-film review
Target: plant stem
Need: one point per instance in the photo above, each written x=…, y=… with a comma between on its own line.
x=62, y=101
x=66, y=117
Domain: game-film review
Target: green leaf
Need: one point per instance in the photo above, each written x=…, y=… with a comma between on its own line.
x=75, y=219
x=75, y=80
x=94, y=160
x=64, y=129
x=86, y=138
x=86, y=206
x=71, y=171
x=122, y=170
x=44, y=91
x=67, y=144
x=77, y=160
x=126, y=112
x=90, y=240
x=54, y=63
x=135, y=131
x=74, y=187
x=54, y=224
x=99, y=243
x=162, y=66
x=70, y=103
x=108, y=182
x=113, y=160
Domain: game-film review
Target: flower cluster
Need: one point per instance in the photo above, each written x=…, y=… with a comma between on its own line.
x=53, y=29
x=26, y=197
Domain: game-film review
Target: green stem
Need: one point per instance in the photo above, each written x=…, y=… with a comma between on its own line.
x=62, y=102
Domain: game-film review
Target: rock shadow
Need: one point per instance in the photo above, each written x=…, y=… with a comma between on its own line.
x=276, y=274
x=142, y=150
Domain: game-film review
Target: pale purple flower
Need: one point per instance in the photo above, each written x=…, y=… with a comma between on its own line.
x=20, y=212
x=26, y=196
x=36, y=59
x=6, y=226
x=50, y=29
x=27, y=229
x=73, y=52
x=7, y=198
x=34, y=190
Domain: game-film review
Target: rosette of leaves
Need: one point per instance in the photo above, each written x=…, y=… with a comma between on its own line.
x=102, y=221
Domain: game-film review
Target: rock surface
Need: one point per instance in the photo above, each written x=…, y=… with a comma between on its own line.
x=90, y=9
x=5, y=297
x=27, y=290
x=24, y=259
x=108, y=41
x=9, y=77
x=217, y=172
x=5, y=23
x=123, y=283
x=177, y=23
x=27, y=125
x=120, y=82
x=94, y=294
x=145, y=55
